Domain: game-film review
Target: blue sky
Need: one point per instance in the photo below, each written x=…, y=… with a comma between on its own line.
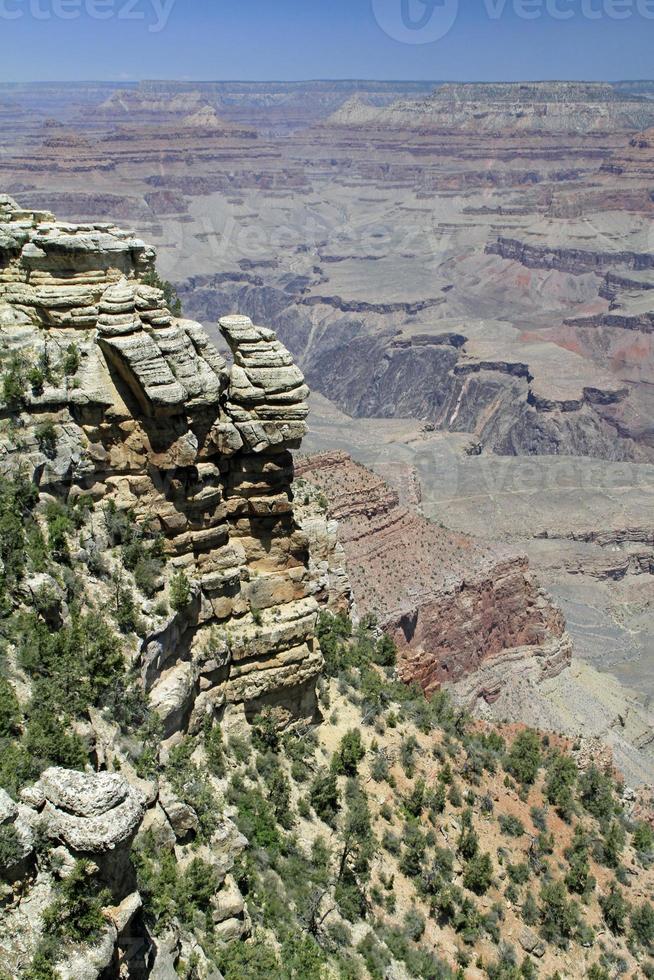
x=297, y=39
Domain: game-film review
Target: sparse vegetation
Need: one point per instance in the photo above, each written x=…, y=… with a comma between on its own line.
x=346, y=825
x=171, y=298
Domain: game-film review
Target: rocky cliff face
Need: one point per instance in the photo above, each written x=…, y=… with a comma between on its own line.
x=154, y=421
x=110, y=399
x=458, y=610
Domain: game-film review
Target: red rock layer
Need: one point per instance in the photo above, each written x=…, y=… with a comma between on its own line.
x=450, y=603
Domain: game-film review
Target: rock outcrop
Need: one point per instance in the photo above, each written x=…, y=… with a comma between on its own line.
x=121, y=402
x=152, y=420
x=459, y=610
x=89, y=816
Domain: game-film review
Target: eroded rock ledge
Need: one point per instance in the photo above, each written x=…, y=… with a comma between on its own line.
x=124, y=402
x=154, y=421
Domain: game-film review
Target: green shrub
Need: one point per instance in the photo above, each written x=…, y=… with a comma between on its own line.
x=598, y=972
x=10, y=714
x=18, y=497
x=349, y=754
x=511, y=825
x=198, y=885
x=612, y=844
x=559, y=917
x=333, y=632
x=385, y=652
x=190, y=784
x=71, y=360
x=643, y=838
x=596, y=793
x=519, y=873
x=523, y=759
x=279, y=796
x=379, y=767
x=391, y=842
x=408, y=750
x=559, y=783
x=375, y=956
x=239, y=749
x=14, y=382
x=214, y=748
x=11, y=850
x=147, y=572
x=59, y=526
x=578, y=878
x=539, y=818
x=413, y=804
x=324, y=796
x=180, y=591
x=614, y=908
x=529, y=911
x=171, y=297
x=468, y=843
x=48, y=738
x=76, y=914
x=413, y=855
x=265, y=731
x=36, y=379
x=478, y=874
x=414, y=924
x=642, y=924
x=255, y=960
x=46, y=437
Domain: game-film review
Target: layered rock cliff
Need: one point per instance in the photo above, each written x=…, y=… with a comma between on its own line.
x=461, y=612
x=153, y=421
x=127, y=417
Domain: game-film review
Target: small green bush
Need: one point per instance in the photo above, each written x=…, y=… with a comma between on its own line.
x=180, y=591
x=9, y=709
x=478, y=874
x=71, y=360
x=559, y=783
x=524, y=757
x=511, y=825
x=11, y=850
x=559, y=917
x=614, y=909
x=325, y=797
x=596, y=793
x=46, y=437
x=76, y=914
x=642, y=924
x=349, y=754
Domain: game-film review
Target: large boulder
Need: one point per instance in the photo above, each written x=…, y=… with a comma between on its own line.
x=89, y=812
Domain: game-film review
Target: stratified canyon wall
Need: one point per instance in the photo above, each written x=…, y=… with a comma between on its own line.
x=132, y=409
x=458, y=609
x=154, y=422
